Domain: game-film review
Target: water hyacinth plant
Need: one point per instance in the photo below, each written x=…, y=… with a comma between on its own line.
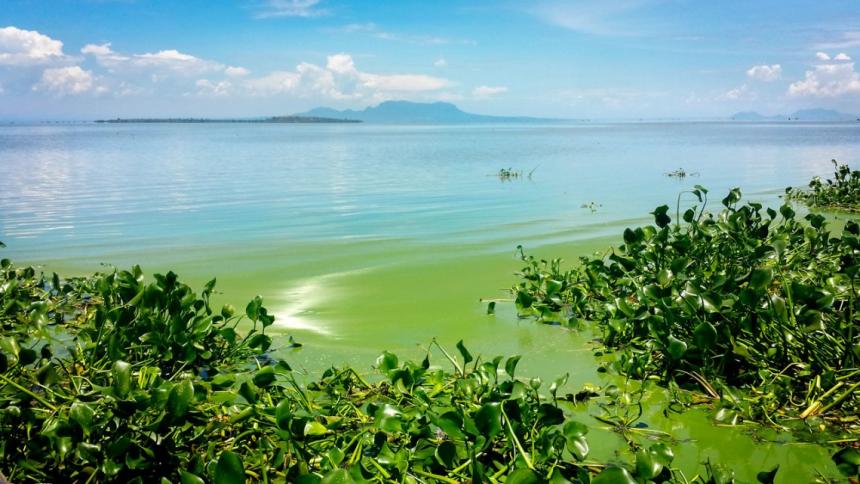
x=113, y=378
x=751, y=306
x=841, y=193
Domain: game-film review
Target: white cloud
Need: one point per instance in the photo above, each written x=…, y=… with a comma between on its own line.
x=403, y=82
x=440, y=62
x=822, y=56
x=842, y=56
x=740, y=93
x=828, y=80
x=277, y=82
x=235, y=71
x=290, y=8
x=28, y=47
x=340, y=79
x=484, y=92
x=160, y=65
x=765, y=73
x=208, y=88
x=340, y=63
x=64, y=81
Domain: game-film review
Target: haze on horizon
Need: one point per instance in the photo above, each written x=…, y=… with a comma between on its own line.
x=67, y=59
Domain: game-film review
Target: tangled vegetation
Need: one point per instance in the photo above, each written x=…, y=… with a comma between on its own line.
x=753, y=307
x=840, y=193
x=681, y=174
x=113, y=378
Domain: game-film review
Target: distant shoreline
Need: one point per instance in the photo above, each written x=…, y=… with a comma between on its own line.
x=274, y=120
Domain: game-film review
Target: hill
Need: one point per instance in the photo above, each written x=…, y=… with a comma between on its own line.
x=406, y=112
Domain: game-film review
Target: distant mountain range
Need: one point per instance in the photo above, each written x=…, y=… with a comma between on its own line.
x=802, y=115
x=406, y=112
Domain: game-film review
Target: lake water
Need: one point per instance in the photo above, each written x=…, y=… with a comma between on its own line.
x=368, y=237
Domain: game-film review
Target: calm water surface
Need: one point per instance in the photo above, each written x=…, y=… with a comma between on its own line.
x=363, y=238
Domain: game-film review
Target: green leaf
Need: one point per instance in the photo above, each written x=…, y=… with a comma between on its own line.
x=705, y=335
x=760, y=278
x=767, y=477
x=264, y=377
x=489, y=419
x=523, y=476
x=252, y=310
x=660, y=217
x=613, y=475
x=511, y=365
x=229, y=469
x=283, y=414
x=335, y=456
x=386, y=362
x=82, y=414
x=121, y=378
x=179, y=399
x=676, y=348
x=314, y=428
x=646, y=466
x=189, y=478
x=665, y=277
x=338, y=476
x=446, y=454
x=467, y=357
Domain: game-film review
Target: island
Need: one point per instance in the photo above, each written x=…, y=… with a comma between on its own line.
x=273, y=119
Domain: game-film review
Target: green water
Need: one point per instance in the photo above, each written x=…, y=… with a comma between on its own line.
x=371, y=238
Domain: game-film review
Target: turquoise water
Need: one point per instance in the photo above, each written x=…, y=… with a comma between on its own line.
x=367, y=237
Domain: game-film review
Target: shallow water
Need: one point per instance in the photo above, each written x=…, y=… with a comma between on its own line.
x=363, y=238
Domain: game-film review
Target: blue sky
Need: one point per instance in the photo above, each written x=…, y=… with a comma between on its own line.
x=83, y=59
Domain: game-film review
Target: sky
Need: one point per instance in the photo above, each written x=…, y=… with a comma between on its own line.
x=88, y=59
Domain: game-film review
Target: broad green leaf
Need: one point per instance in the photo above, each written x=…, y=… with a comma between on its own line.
x=82, y=414
x=523, y=476
x=179, y=399
x=760, y=278
x=613, y=475
x=121, y=378
x=705, y=335
x=676, y=348
x=489, y=419
x=314, y=428
x=229, y=469
x=264, y=377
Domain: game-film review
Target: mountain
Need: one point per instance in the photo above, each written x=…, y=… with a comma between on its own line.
x=406, y=112
x=820, y=115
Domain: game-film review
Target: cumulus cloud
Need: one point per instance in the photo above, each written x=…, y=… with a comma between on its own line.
x=484, y=92
x=159, y=65
x=765, y=73
x=28, y=47
x=63, y=81
x=290, y=8
x=206, y=87
x=827, y=80
x=842, y=56
x=340, y=79
x=822, y=56
x=440, y=62
x=742, y=92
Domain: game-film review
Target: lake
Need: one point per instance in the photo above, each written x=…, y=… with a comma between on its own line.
x=363, y=238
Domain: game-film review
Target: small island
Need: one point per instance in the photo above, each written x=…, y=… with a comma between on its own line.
x=273, y=119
